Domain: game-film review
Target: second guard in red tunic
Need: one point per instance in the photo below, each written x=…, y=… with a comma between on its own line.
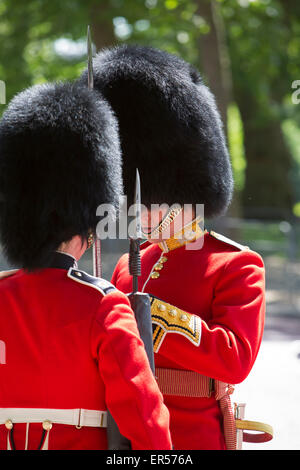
x=207, y=292
x=208, y=315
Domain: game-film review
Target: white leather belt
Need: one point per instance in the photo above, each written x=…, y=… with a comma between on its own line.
x=76, y=417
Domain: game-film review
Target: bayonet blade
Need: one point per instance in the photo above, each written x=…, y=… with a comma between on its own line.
x=90, y=59
x=97, y=269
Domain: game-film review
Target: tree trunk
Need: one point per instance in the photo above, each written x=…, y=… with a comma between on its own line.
x=101, y=16
x=214, y=57
x=215, y=64
x=267, y=193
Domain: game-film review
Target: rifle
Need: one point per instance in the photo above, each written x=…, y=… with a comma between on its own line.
x=140, y=302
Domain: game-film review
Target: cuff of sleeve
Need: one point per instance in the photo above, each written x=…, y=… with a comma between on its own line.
x=169, y=319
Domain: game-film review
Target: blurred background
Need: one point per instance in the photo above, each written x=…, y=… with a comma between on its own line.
x=249, y=54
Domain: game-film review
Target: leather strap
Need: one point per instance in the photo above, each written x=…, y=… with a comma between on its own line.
x=10, y=272
x=265, y=430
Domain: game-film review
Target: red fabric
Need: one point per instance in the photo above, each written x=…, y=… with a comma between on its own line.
x=225, y=287
x=67, y=346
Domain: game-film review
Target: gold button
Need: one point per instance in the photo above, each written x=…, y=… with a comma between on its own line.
x=158, y=266
x=173, y=312
x=161, y=307
x=184, y=318
x=163, y=259
x=155, y=275
x=8, y=424
x=47, y=425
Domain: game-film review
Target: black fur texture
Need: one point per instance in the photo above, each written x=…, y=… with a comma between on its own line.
x=170, y=128
x=59, y=159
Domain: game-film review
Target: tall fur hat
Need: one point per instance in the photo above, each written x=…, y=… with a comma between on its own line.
x=170, y=128
x=59, y=159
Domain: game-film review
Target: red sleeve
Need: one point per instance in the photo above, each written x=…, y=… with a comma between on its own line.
x=132, y=394
x=115, y=274
x=231, y=339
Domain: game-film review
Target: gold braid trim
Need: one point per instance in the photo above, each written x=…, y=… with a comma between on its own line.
x=169, y=319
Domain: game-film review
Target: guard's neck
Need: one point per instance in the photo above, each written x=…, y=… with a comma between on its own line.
x=74, y=247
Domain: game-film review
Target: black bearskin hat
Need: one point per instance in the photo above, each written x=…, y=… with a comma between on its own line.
x=59, y=160
x=170, y=128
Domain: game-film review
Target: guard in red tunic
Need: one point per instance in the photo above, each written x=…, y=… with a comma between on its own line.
x=70, y=347
x=208, y=293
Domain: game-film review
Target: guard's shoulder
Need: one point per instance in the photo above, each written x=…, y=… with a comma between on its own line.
x=103, y=286
x=228, y=241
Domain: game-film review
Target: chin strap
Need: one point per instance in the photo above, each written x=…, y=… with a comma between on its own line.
x=165, y=223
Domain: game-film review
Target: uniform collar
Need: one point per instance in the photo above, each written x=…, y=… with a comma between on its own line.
x=62, y=260
x=188, y=234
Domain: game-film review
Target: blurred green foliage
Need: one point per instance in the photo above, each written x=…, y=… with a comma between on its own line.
x=45, y=40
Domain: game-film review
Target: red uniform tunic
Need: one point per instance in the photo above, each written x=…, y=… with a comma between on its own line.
x=68, y=346
x=221, y=289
